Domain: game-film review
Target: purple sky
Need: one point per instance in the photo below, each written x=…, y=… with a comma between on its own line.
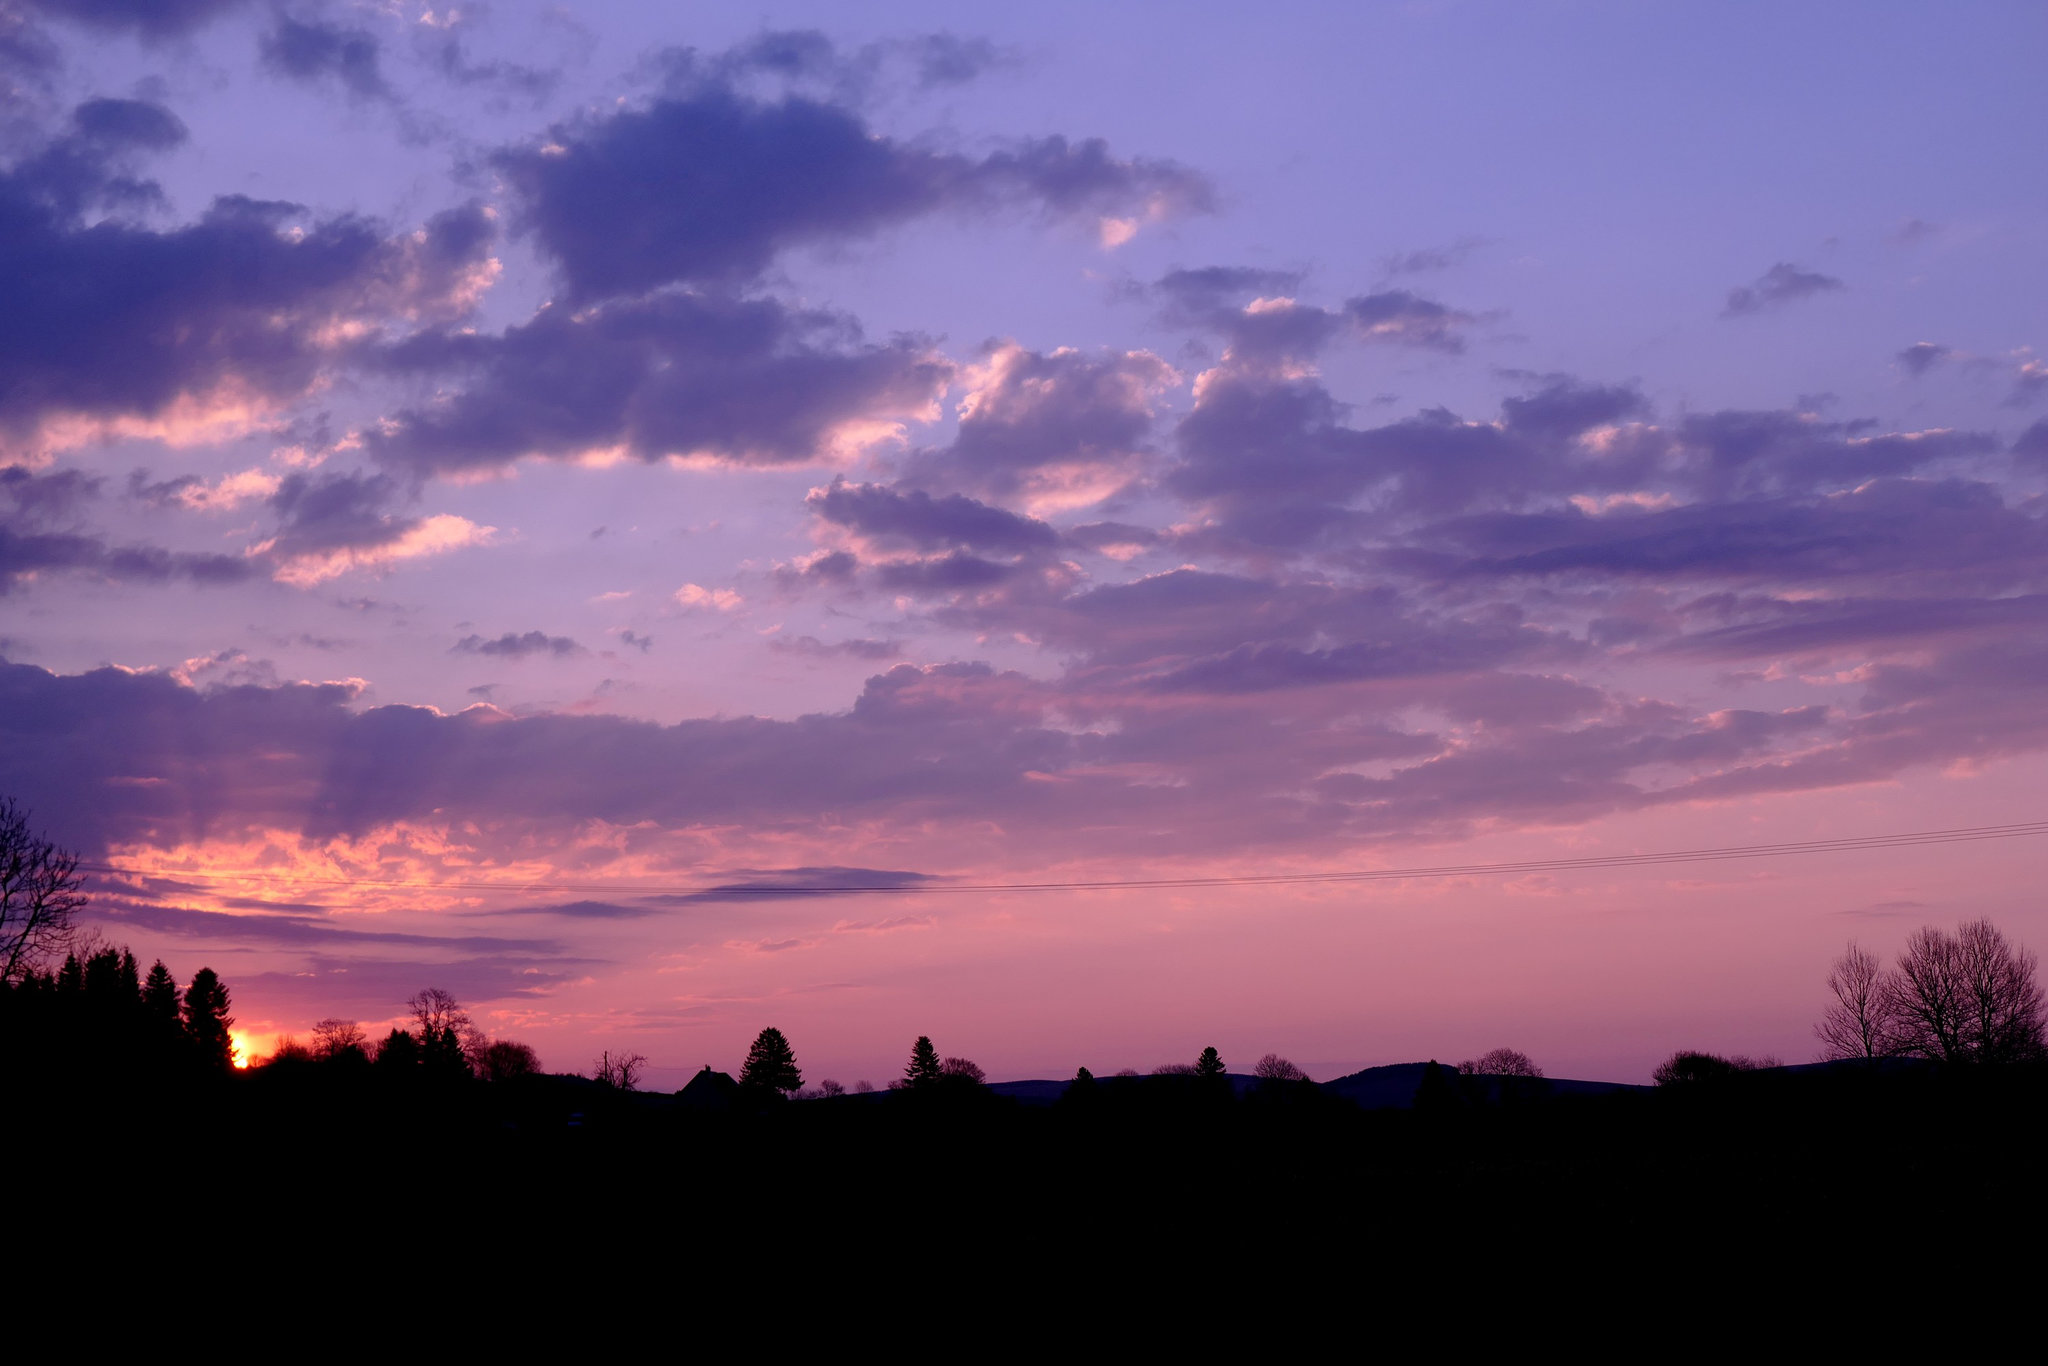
x=565, y=459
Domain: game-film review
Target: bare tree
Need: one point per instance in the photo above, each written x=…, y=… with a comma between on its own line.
x=435, y=1010
x=1500, y=1062
x=1862, y=1022
x=829, y=1088
x=1273, y=1067
x=2002, y=1006
x=40, y=897
x=1929, y=997
x=332, y=1038
x=962, y=1070
x=620, y=1071
x=505, y=1059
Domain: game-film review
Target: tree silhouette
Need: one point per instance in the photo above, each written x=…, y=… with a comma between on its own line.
x=399, y=1054
x=335, y=1039
x=1275, y=1068
x=505, y=1060
x=771, y=1067
x=1863, y=1021
x=160, y=997
x=1966, y=997
x=207, y=1021
x=620, y=1071
x=925, y=1068
x=1500, y=1062
x=964, y=1071
x=40, y=897
x=1210, y=1065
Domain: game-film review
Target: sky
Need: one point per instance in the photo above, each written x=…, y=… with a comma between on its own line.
x=487, y=491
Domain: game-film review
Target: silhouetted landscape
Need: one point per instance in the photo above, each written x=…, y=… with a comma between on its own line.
x=1936, y=1081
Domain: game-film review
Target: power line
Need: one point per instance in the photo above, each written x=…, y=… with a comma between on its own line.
x=1907, y=839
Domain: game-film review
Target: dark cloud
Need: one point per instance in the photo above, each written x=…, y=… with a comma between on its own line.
x=1207, y=295
x=913, y=519
x=768, y=884
x=748, y=381
x=2032, y=444
x=857, y=648
x=1773, y=451
x=1038, y=420
x=1252, y=310
x=1782, y=284
x=41, y=532
x=312, y=51
x=945, y=59
x=28, y=556
x=154, y=19
x=300, y=931
x=511, y=646
x=1431, y=259
x=113, y=319
x=129, y=123
x=637, y=641
x=328, y=523
x=957, y=572
x=1953, y=531
x=1921, y=357
x=581, y=910
x=1407, y=319
x=1107, y=537
x=710, y=187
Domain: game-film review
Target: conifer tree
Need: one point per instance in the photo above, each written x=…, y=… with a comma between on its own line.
x=207, y=1021
x=1209, y=1065
x=400, y=1052
x=160, y=999
x=771, y=1064
x=925, y=1068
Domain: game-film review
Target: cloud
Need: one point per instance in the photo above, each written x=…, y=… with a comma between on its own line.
x=2032, y=444
x=858, y=648
x=1255, y=311
x=894, y=519
x=1782, y=284
x=710, y=187
x=115, y=327
x=150, y=19
x=41, y=532
x=311, y=51
x=1407, y=319
x=335, y=523
x=1055, y=429
x=510, y=646
x=717, y=599
x=1921, y=357
x=771, y=884
x=744, y=382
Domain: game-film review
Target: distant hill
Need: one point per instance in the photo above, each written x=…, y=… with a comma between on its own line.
x=1390, y=1087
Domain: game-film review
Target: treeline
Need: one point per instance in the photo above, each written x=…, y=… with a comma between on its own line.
x=98, y=1014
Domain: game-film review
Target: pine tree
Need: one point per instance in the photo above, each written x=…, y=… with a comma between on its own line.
x=925, y=1068
x=399, y=1053
x=160, y=1001
x=1209, y=1065
x=207, y=1021
x=771, y=1065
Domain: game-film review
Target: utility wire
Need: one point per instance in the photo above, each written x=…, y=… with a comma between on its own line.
x=1907, y=839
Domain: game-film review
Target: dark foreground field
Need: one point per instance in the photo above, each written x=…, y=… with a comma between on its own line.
x=1831, y=1177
